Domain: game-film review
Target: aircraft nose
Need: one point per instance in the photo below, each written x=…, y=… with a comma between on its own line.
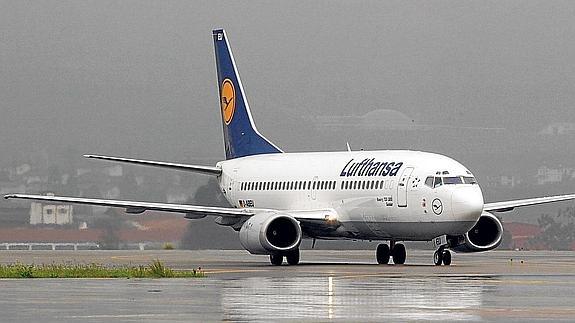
x=467, y=203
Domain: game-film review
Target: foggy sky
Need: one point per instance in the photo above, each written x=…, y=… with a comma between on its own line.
x=137, y=78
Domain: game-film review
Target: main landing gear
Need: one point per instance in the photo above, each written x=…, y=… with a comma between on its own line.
x=292, y=258
x=442, y=256
x=397, y=252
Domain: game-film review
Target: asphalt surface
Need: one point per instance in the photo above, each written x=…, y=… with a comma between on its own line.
x=327, y=286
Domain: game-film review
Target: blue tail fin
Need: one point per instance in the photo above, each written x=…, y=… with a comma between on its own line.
x=241, y=138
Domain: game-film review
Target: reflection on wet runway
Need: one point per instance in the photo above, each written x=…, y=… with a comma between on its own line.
x=356, y=298
x=502, y=286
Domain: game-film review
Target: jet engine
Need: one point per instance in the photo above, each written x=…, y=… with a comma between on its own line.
x=485, y=235
x=270, y=233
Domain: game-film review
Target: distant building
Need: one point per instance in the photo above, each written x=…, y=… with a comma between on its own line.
x=113, y=171
x=22, y=169
x=376, y=119
x=41, y=213
x=502, y=181
x=547, y=175
x=558, y=128
x=521, y=234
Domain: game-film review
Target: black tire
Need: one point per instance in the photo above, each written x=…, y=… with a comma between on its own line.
x=276, y=260
x=382, y=254
x=293, y=257
x=399, y=254
x=446, y=258
x=437, y=257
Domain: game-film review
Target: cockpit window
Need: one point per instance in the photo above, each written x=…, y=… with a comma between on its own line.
x=469, y=180
x=438, y=182
x=452, y=180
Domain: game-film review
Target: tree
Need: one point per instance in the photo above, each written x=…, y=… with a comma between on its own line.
x=205, y=233
x=558, y=233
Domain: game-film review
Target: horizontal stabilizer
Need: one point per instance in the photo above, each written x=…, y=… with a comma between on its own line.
x=210, y=170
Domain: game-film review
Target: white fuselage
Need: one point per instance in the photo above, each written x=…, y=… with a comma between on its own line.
x=375, y=195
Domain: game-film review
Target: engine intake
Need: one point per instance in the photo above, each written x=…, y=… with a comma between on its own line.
x=270, y=233
x=485, y=235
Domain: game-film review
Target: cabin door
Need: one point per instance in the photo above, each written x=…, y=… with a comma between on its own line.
x=402, y=187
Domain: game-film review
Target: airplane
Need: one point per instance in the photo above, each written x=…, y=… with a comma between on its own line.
x=280, y=198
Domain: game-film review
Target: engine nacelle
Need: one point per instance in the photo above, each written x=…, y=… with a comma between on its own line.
x=485, y=235
x=270, y=233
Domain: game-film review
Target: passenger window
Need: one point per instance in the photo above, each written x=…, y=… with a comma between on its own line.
x=429, y=181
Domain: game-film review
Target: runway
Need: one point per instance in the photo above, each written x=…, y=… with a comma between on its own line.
x=327, y=286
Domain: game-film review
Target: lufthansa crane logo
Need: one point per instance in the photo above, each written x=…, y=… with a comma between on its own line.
x=437, y=206
x=228, y=100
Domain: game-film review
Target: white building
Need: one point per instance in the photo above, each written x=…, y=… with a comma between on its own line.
x=50, y=214
x=547, y=175
x=559, y=128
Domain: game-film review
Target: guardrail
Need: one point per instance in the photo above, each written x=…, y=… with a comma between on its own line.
x=49, y=246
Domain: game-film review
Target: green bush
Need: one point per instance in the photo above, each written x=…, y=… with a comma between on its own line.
x=155, y=270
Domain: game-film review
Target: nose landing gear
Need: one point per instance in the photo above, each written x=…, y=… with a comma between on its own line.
x=442, y=256
x=397, y=252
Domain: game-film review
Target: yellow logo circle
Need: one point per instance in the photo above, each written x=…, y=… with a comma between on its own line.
x=228, y=100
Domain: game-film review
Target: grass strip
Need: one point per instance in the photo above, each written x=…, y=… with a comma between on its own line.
x=155, y=270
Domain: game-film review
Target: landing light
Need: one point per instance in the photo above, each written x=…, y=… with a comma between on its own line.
x=331, y=218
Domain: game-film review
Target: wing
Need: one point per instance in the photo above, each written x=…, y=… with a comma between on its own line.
x=510, y=205
x=191, y=211
x=192, y=168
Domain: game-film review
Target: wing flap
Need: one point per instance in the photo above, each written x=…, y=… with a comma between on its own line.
x=135, y=207
x=510, y=205
x=210, y=170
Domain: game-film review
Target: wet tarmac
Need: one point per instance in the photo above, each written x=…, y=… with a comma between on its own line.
x=327, y=286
